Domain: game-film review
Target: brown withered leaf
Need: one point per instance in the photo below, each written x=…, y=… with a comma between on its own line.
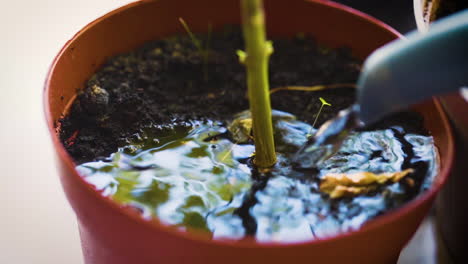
x=241, y=129
x=341, y=184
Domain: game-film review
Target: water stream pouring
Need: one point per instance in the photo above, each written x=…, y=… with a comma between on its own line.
x=395, y=76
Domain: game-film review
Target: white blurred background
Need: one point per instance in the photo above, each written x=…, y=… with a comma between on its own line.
x=36, y=224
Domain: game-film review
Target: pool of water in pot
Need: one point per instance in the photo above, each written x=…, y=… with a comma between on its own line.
x=196, y=176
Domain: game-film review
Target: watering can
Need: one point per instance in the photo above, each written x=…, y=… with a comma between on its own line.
x=407, y=71
x=394, y=77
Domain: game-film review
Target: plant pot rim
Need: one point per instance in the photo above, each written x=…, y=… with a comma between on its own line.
x=155, y=224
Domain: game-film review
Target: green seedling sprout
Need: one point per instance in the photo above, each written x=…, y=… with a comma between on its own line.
x=198, y=44
x=205, y=54
x=255, y=58
x=324, y=103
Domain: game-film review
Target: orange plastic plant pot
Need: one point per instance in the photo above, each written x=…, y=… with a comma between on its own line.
x=111, y=233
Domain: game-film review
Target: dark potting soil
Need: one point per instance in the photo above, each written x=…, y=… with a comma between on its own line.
x=170, y=80
x=150, y=129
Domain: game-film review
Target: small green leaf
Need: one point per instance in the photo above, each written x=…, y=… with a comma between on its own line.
x=324, y=102
x=196, y=42
x=242, y=56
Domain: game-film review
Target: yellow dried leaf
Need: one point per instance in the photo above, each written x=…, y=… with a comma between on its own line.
x=241, y=129
x=341, y=191
x=342, y=184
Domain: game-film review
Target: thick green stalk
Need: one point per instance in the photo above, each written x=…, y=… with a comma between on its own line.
x=258, y=51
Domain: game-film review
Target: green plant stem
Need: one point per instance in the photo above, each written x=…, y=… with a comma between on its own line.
x=258, y=51
x=324, y=103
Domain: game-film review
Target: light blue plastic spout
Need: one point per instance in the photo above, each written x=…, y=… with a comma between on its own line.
x=400, y=74
x=408, y=71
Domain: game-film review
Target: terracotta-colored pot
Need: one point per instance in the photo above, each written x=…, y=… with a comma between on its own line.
x=113, y=234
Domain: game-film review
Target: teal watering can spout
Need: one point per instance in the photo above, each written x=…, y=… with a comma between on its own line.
x=408, y=71
x=399, y=74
